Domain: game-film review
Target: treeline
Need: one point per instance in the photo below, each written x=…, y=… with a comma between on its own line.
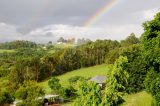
x=39, y=64
x=89, y=54
x=18, y=44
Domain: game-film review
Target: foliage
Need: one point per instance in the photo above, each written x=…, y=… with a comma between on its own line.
x=116, y=83
x=112, y=56
x=89, y=94
x=84, y=72
x=73, y=80
x=6, y=97
x=70, y=92
x=151, y=43
x=61, y=39
x=138, y=99
x=82, y=41
x=130, y=40
x=136, y=67
x=90, y=54
x=18, y=44
x=55, y=85
x=29, y=93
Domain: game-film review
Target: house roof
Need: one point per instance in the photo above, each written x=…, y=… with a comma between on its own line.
x=99, y=79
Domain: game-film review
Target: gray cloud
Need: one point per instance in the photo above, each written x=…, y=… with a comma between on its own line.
x=22, y=19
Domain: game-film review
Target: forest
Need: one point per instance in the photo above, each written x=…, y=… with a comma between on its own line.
x=134, y=66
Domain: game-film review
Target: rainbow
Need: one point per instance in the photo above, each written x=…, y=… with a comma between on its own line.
x=107, y=7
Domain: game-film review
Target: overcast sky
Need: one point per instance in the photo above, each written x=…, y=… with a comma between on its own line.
x=47, y=20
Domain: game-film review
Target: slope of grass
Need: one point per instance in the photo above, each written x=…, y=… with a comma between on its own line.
x=138, y=99
x=85, y=72
x=66, y=45
x=9, y=51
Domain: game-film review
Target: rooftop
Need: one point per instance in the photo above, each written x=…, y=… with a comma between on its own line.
x=99, y=79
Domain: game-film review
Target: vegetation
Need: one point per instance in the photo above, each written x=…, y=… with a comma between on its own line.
x=29, y=93
x=89, y=94
x=116, y=83
x=151, y=43
x=84, y=72
x=138, y=99
x=55, y=85
x=133, y=65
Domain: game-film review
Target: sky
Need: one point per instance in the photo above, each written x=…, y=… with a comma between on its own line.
x=47, y=20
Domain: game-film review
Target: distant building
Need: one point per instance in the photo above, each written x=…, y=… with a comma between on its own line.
x=99, y=80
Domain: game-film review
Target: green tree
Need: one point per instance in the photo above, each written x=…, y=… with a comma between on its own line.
x=130, y=40
x=89, y=94
x=75, y=79
x=29, y=93
x=116, y=83
x=136, y=67
x=5, y=98
x=55, y=85
x=151, y=44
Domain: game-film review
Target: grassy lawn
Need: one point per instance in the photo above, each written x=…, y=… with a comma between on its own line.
x=9, y=51
x=51, y=51
x=138, y=99
x=63, y=45
x=85, y=72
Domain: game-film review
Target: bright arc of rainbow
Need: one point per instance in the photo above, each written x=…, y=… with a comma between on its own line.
x=100, y=13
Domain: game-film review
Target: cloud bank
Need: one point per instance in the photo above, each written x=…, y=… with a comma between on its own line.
x=53, y=32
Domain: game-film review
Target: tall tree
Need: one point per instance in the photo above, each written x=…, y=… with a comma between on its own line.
x=116, y=83
x=29, y=93
x=89, y=94
x=130, y=40
x=151, y=43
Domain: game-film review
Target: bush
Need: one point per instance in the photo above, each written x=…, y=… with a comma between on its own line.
x=6, y=97
x=55, y=85
x=89, y=94
x=28, y=92
x=116, y=83
x=70, y=92
x=73, y=80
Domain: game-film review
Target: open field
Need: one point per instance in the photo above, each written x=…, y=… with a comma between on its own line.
x=138, y=99
x=9, y=51
x=85, y=72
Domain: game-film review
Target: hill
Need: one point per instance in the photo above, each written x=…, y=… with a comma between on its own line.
x=137, y=99
x=85, y=72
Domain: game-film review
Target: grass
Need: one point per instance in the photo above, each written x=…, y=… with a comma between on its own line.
x=85, y=72
x=63, y=45
x=138, y=99
x=9, y=51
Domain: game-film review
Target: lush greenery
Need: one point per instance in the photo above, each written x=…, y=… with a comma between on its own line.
x=83, y=72
x=89, y=94
x=116, y=83
x=138, y=99
x=130, y=65
x=29, y=93
x=151, y=43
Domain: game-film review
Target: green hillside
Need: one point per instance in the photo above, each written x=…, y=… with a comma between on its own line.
x=9, y=51
x=85, y=72
x=138, y=99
